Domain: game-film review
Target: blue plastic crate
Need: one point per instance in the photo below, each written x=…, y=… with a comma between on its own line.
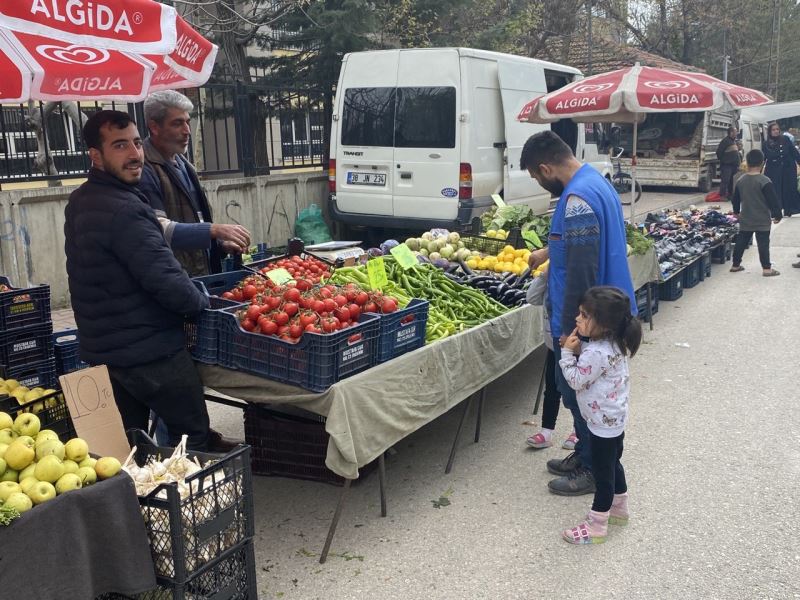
x=641, y=303
x=67, y=351
x=25, y=345
x=672, y=288
x=705, y=266
x=691, y=275
x=41, y=374
x=201, y=333
x=403, y=330
x=315, y=362
x=21, y=307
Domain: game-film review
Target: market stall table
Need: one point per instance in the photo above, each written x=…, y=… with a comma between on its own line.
x=81, y=544
x=372, y=411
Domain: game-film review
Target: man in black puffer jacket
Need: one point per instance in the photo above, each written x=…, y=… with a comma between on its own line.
x=129, y=293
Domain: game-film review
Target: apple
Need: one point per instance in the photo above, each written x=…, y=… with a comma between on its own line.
x=106, y=467
x=27, y=471
x=19, y=394
x=49, y=469
x=27, y=424
x=27, y=483
x=88, y=462
x=12, y=384
x=44, y=435
x=32, y=395
x=3, y=448
x=10, y=475
x=7, y=436
x=19, y=501
x=67, y=483
x=70, y=466
x=54, y=447
x=20, y=454
x=41, y=492
x=3, y=466
x=87, y=475
x=7, y=488
x=6, y=422
x=76, y=449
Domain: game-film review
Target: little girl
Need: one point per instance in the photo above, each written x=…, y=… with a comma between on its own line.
x=598, y=371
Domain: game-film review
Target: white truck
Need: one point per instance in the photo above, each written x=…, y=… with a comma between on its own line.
x=676, y=149
x=423, y=137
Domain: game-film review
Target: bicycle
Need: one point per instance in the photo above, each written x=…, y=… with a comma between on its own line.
x=622, y=181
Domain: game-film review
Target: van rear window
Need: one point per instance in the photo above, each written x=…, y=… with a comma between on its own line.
x=408, y=117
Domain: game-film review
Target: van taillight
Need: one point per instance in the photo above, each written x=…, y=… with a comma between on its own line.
x=465, y=181
x=332, y=176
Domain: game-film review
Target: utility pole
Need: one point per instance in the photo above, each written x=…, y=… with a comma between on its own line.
x=726, y=59
x=589, y=37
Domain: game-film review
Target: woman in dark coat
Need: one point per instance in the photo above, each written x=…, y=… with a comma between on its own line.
x=782, y=158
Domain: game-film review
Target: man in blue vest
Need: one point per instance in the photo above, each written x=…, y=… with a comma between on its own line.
x=586, y=247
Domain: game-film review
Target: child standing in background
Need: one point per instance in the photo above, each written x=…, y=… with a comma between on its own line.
x=598, y=371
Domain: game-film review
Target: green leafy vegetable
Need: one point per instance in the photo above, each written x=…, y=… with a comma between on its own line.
x=8, y=514
x=636, y=240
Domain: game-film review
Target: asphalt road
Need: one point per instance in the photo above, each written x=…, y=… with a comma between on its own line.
x=711, y=454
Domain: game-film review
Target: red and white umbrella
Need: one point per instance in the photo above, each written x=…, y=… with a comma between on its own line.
x=627, y=94
x=112, y=50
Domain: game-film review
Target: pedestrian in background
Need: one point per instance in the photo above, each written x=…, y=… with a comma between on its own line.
x=729, y=161
x=782, y=158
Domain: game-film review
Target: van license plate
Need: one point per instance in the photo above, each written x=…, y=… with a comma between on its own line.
x=356, y=178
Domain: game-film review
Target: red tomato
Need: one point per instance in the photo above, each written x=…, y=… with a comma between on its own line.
x=253, y=312
x=324, y=292
x=329, y=324
x=362, y=298
x=370, y=307
x=354, y=311
x=237, y=294
x=227, y=296
x=308, y=318
x=350, y=294
x=248, y=325
x=389, y=305
x=303, y=285
x=291, y=308
x=342, y=313
x=340, y=299
x=281, y=318
x=297, y=260
x=291, y=295
x=248, y=291
x=295, y=330
x=283, y=330
x=318, y=306
x=330, y=304
x=268, y=326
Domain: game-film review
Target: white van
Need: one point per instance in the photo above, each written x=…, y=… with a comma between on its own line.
x=424, y=137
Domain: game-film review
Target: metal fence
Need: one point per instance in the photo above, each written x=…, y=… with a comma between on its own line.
x=236, y=128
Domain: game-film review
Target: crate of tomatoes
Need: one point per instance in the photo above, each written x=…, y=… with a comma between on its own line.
x=310, y=336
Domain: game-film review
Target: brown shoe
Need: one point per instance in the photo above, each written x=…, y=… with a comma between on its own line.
x=219, y=444
x=773, y=272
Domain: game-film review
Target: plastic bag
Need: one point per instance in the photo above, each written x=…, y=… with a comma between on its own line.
x=537, y=290
x=311, y=227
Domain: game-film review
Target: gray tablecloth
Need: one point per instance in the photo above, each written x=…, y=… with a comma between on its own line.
x=370, y=412
x=78, y=545
x=644, y=268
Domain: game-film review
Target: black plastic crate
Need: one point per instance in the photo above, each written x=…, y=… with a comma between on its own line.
x=290, y=445
x=67, y=351
x=691, y=275
x=705, y=266
x=722, y=253
x=231, y=576
x=38, y=374
x=201, y=333
x=25, y=345
x=641, y=303
x=187, y=534
x=51, y=409
x=315, y=362
x=672, y=288
x=20, y=307
x=403, y=330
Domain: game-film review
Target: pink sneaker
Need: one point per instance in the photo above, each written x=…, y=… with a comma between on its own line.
x=619, y=515
x=538, y=441
x=591, y=531
x=569, y=443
